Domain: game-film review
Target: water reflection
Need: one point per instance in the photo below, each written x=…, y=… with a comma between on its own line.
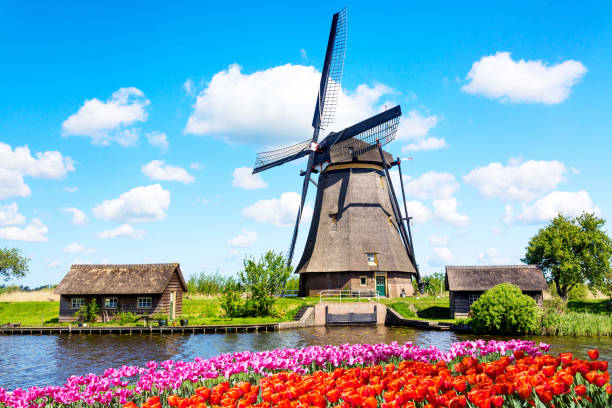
x=48, y=360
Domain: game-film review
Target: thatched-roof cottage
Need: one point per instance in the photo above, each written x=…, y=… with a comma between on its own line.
x=140, y=288
x=353, y=242
x=466, y=283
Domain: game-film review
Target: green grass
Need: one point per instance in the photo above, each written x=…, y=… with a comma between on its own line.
x=597, y=306
x=427, y=308
x=199, y=311
x=577, y=324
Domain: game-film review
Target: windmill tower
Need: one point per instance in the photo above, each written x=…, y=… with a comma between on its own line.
x=358, y=238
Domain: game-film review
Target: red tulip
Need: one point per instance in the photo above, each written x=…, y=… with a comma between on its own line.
x=593, y=354
x=580, y=389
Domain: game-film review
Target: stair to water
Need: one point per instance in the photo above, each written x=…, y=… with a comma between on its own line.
x=300, y=313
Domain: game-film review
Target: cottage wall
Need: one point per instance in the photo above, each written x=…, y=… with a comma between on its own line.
x=311, y=284
x=460, y=301
x=173, y=285
x=126, y=303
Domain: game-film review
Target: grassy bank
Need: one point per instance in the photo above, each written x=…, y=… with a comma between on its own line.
x=199, y=311
x=577, y=318
x=423, y=308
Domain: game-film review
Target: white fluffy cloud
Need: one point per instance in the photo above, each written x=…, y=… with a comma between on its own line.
x=419, y=212
x=275, y=106
x=124, y=230
x=35, y=231
x=158, y=139
x=425, y=143
x=548, y=207
x=492, y=257
x=9, y=215
x=140, y=204
x=244, y=240
x=53, y=264
x=75, y=248
x=517, y=182
x=278, y=211
x=432, y=185
x=17, y=163
x=440, y=256
x=438, y=240
x=71, y=189
x=243, y=178
x=446, y=211
x=500, y=77
x=105, y=122
x=158, y=170
x=78, y=216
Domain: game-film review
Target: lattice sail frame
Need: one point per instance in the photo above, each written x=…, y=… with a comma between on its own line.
x=382, y=133
x=289, y=153
x=333, y=85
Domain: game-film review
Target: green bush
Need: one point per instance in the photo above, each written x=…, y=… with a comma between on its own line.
x=504, y=309
x=126, y=317
x=92, y=311
x=230, y=301
x=578, y=292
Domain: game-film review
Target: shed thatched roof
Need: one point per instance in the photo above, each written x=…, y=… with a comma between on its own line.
x=476, y=278
x=119, y=279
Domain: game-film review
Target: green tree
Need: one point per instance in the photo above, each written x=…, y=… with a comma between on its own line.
x=504, y=309
x=13, y=264
x=230, y=301
x=262, y=279
x=571, y=251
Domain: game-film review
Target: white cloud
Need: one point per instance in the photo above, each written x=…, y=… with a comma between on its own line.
x=53, y=264
x=158, y=139
x=196, y=166
x=78, y=216
x=440, y=256
x=243, y=178
x=500, y=77
x=492, y=257
x=557, y=202
x=274, y=106
x=446, y=210
x=140, y=204
x=9, y=215
x=71, y=189
x=426, y=143
x=278, y=211
x=75, y=248
x=35, y=231
x=419, y=212
x=244, y=240
x=438, y=240
x=517, y=181
x=105, y=122
x=189, y=87
x=158, y=170
x=12, y=184
x=125, y=230
x=432, y=185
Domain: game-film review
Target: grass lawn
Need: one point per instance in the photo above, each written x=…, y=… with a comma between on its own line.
x=427, y=308
x=199, y=311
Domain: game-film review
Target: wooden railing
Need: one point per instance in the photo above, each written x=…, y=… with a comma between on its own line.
x=347, y=294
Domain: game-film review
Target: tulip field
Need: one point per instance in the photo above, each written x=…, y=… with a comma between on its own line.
x=479, y=373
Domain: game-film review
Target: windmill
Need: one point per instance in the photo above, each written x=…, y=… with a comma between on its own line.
x=351, y=164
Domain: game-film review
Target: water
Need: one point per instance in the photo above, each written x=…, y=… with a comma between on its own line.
x=49, y=359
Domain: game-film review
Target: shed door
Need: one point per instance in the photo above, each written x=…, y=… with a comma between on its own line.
x=381, y=285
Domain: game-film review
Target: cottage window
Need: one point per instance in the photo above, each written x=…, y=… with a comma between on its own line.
x=363, y=281
x=78, y=302
x=145, y=303
x=110, y=302
x=473, y=298
x=372, y=259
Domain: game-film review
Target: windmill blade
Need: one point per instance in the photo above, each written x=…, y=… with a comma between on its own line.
x=273, y=158
x=331, y=76
x=361, y=137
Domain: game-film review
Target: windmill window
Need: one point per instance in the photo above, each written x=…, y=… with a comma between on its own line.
x=145, y=303
x=372, y=259
x=334, y=221
x=78, y=302
x=110, y=303
x=363, y=281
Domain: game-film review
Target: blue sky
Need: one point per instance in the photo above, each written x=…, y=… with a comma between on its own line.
x=125, y=129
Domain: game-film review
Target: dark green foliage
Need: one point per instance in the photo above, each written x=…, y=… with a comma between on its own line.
x=126, y=317
x=92, y=311
x=230, y=301
x=504, y=309
x=262, y=280
x=572, y=251
x=13, y=265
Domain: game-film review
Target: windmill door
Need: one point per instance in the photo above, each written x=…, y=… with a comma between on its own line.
x=381, y=285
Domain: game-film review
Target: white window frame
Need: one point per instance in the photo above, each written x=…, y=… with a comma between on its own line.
x=106, y=304
x=372, y=258
x=473, y=298
x=138, y=304
x=82, y=302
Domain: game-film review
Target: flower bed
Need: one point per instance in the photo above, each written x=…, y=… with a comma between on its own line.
x=478, y=373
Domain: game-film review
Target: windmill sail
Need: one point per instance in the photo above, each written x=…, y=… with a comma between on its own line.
x=273, y=158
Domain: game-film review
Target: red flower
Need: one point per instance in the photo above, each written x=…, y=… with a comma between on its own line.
x=593, y=354
x=497, y=401
x=580, y=389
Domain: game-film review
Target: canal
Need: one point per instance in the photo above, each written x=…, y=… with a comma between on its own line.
x=41, y=360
